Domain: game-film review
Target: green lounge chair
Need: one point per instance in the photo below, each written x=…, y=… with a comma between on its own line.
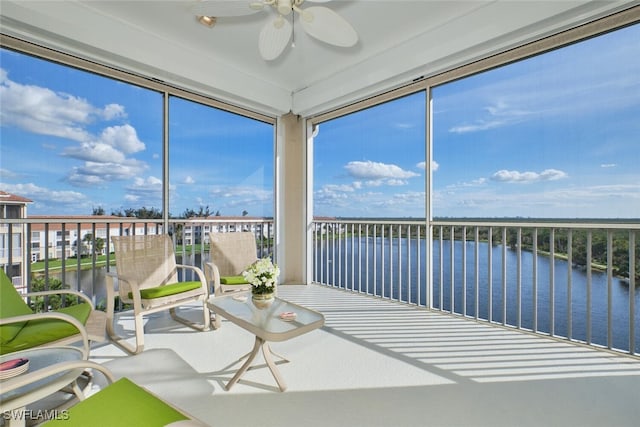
x=21, y=328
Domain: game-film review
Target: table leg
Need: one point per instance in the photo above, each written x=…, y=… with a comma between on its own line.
x=247, y=363
x=267, y=353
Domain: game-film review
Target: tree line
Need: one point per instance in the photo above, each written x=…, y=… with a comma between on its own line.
x=154, y=213
x=620, y=258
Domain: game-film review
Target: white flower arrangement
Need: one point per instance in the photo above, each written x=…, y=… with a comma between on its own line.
x=262, y=275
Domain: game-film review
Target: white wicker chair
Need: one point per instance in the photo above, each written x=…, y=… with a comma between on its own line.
x=230, y=254
x=147, y=276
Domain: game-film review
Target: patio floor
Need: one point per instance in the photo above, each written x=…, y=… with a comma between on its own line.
x=381, y=363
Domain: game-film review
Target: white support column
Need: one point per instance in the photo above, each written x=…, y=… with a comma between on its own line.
x=291, y=199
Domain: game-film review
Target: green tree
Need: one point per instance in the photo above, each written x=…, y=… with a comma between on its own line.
x=53, y=302
x=202, y=212
x=98, y=245
x=142, y=213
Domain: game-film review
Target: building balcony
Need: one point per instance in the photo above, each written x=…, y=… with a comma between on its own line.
x=378, y=362
x=491, y=326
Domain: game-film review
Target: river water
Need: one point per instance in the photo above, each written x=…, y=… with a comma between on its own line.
x=397, y=270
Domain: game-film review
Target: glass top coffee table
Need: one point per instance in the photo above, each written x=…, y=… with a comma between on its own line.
x=274, y=323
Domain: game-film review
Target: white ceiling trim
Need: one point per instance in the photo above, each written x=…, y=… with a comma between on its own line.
x=457, y=36
x=422, y=57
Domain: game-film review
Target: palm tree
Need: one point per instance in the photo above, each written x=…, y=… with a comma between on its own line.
x=98, y=245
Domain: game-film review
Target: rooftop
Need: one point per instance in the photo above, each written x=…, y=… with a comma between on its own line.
x=381, y=363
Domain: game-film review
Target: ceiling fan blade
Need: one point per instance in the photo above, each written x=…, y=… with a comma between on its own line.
x=220, y=8
x=325, y=25
x=274, y=38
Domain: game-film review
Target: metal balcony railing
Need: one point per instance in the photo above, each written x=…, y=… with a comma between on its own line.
x=570, y=280
x=82, y=258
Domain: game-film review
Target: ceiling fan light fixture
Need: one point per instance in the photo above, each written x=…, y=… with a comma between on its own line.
x=319, y=22
x=274, y=38
x=279, y=22
x=284, y=7
x=307, y=16
x=207, y=21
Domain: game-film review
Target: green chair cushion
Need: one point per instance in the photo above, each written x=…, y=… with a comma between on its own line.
x=233, y=280
x=121, y=403
x=43, y=331
x=11, y=304
x=166, y=290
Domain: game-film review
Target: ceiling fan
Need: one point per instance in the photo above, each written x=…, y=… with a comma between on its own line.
x=319, y=22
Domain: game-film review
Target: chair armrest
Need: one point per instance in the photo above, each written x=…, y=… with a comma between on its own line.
x=212, y=274
x=78, y=294
x=54, y=315
x=199, y=272
x=40, y=374
x=132, y=284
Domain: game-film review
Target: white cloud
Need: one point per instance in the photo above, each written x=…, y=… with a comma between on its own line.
x=189, y=180
x=241, y=192
x=405, y=125
x=112, y=146
x=43, y=111
x=423, y=165
x=7, y=174
x=498, y=115
x=608, y=165
x=151, y=183
x=478, y=126
x=113, y=111
x=396, y=182
x=561, y=86
x=344, y=188
x=379, y=173
x=233, y=199
x=40, y=110
x=95, y=152
x=93, y=173
x=526, y=177
x=44, y=195
x=145, y=191
x=567, y=202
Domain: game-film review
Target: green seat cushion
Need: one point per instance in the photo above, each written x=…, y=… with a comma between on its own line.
x=11, y=304
x=166, y=290
x=121, y=403
x=233, y=280
x=43, y=331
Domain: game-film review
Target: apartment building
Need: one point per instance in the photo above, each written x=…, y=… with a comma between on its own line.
x=12, y=236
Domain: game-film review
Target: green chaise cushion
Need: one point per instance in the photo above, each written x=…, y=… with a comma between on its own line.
x=166, y=290
x=11, y=304
x=121, y=403
x=43, y=331
x=233, y=280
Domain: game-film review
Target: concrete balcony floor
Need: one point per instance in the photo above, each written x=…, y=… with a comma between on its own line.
x=381, y=363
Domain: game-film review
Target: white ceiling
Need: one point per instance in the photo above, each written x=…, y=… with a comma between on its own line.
x=398, y=42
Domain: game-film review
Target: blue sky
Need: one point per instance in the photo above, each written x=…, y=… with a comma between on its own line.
x=72, y=141
x=552, y=136
x=556, y=135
